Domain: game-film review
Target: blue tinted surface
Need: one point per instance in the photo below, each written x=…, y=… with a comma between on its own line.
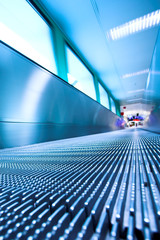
x=103, y=96
x=152, y=94
x=113, y=107
x=79, y=76
x=37, y=106
x=23, y=29
x=153, y=82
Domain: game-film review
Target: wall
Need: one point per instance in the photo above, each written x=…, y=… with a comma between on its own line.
x=153, y=90
x=153, y=122
x=37, y=106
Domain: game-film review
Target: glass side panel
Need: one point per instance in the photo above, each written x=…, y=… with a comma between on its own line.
x=113, y=107
x=103, y=96
x=78, y=75
x=22, y=28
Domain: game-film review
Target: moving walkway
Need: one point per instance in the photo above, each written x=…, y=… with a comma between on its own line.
x=103, y=186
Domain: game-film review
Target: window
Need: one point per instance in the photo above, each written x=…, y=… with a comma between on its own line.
x=113, y=107
x=23, y=29
x=78, y=75
x=103, y=96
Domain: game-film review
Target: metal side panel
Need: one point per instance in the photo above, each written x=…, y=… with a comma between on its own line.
x=35, y=102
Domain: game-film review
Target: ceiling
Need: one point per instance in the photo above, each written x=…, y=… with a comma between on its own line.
x=86, y=24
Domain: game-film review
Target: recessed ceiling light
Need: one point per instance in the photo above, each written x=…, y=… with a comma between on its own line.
x=135, y=91
x=155, y=72
x=132, y=100
x=135, y=73
x=134, y=26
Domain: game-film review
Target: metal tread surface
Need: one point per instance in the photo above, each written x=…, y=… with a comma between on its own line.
x=104, y=186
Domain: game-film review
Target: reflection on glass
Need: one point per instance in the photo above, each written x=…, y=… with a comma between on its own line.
x=103, y=96
x=23, y=29
x=113, y=107
x=79, y=76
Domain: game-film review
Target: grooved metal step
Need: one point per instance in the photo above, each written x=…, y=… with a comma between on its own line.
x=104, y=186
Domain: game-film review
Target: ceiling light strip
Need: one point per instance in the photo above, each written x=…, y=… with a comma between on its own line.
x=133, y=100
x=128, y=75
x=136, y=91
x=139, y=24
